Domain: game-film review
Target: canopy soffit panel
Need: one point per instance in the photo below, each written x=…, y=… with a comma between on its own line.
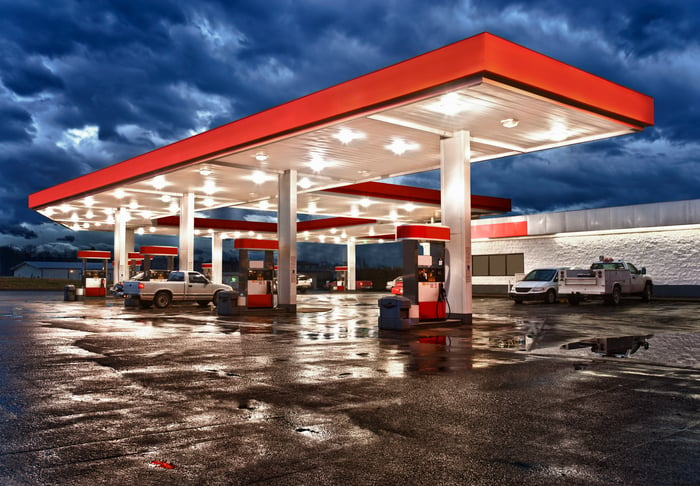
x=511, y=100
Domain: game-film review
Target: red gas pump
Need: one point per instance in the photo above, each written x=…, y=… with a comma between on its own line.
x=341, y=275
x=149, y=252
x=94, y=281
x=206, y=270
x=423, y=248
x=256, y=277
x=135, y=261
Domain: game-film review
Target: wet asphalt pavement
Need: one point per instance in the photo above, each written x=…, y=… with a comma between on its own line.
x=96, y=393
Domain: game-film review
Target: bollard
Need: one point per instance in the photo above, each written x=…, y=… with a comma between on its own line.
x=69, y=293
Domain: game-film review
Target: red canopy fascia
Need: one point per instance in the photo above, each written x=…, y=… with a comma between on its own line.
x=483, y=55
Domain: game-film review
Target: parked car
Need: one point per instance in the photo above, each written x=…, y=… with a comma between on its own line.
x=541, y=284
x=303, y=283
x=180, y=286
x=608, y=279
x=391, y=283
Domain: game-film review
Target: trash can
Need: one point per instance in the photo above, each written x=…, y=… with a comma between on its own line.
x=227, y=302
x=393, y=312
x=69, y=293
x=79, y=293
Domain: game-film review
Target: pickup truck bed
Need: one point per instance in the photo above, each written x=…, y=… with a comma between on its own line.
x=180, y=287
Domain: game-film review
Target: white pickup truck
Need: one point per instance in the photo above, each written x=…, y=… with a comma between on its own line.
x=607, y=279
x=180, y=287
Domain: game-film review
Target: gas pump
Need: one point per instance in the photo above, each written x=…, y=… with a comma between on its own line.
x=423, y=248
x=135, y=261
x=341, y=275
x=206, y=270
x=149, y=252
x=94, y=281
x=256, y=277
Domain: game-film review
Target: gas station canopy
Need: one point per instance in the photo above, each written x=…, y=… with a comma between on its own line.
x=510, y=100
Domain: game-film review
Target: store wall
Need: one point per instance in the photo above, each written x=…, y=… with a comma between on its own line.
x=670, y=255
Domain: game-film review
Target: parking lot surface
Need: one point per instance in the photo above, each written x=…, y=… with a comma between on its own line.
x=96, y=393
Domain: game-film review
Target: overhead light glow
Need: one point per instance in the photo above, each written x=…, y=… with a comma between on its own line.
x=322, y=238
x=371, y=231
x=264, y=204
x=208, y=202
x=334, y=230
x=449, y=104
x=174, y=208
x=393, y=215
x=317, y=163
x=209, y=187
x=119, y=194
x=336, y=239
x=400, y=146
x=48, y=212
x=510, y=123
x=89, y=201
x=140, y=231
x=89, y=214
x=205, y=171
x=261, y=156
x=312, y=208
x=345, y=135
x=133, y=204
x=251, y=233
x=86, y=225
x=258, y=177
x=74, y=217
x=110, y=219
x=408, y=207
x=354, y=211
x=146, y=214
x=210, y=231
x=306, y=234
x=305, y=183
x=65, y=208
x=165, y=198
x=236, y=234
x=159, y=182
x=196, y=232
x=365, y=202
x=152, y=229
x=558, y=132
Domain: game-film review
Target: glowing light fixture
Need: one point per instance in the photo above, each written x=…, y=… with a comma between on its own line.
x=197, y=232
x=264, y=204
x=510, y=123
x=110, y=219
x=354, y=211
x=89, y=214
x=65, y=208
x=48, y=212
x=165, y=198
x=152, y=229
x=236, y=234
x=317, y=163
x=365, y=202
x=86, y=225
x=205, y=171
x=258, y=177
x=305, y=183
x=322, y=238
x=400, y=146
x=89, y=201
x=312, y=208
x=133, y=204
x=208, y=202
x=371, y=231
x=261, y=156
x=251, y=233
x=345, y=135
x=146, y=214
x=140, y=231
x=119, y=194
x=449, y=104
x=334, y=230
x=159, y=182
x=393, y=215
x=209, y=187
x=174, y=208
x=558, y=132
x=408, y=207
x=74, y=217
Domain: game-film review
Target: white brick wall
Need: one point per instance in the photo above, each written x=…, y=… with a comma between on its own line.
x=671, y=256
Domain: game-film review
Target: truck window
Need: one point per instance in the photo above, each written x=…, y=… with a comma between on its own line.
x=197, y=278
x=632, y=268
x=176, y=277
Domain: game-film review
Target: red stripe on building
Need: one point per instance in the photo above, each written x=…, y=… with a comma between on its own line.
x=499, y=230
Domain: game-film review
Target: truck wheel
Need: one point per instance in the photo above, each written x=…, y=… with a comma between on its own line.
x=573, y=300
x=215, y=299
x=550, y=297
x=648, y=291
x=162, y=299
x=616, y=295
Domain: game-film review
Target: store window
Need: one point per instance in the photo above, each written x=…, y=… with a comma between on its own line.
x=498, y=265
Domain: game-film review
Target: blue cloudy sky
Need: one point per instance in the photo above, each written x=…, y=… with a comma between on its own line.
x=85, y=84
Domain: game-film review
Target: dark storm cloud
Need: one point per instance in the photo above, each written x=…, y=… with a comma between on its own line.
x=17, y=230
x=88, y=84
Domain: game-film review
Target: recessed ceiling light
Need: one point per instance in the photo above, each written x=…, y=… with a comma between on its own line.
x=133, y=204
x=89, y=214
x=400, y=146
x=140, y=231
x=510, y=123
x=209, y=187
x=264, y=204
x=354, y=211
x=152, y=229
x=449, y=104
x=89, y=201
x=408, y=207
x=334, y=230
x=119, y=193
x=258, y=177
x=317, y=163
x=322, y=238
x=146, y=214
x=261, y=156
x=208, y=202
x=205, y=171
x=345, y=135
x=305, y=183
x=165, y=198
x=159, y=182
x=365, y=202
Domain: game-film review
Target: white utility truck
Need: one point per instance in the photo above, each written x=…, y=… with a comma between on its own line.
x=607, y=279
x=179, y=287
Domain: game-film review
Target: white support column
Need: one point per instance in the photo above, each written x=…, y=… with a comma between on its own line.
x=352, y=266
x=455, y=182
x=216, y=258
x=120, y=266
x=287, y=237
x=186, y=251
